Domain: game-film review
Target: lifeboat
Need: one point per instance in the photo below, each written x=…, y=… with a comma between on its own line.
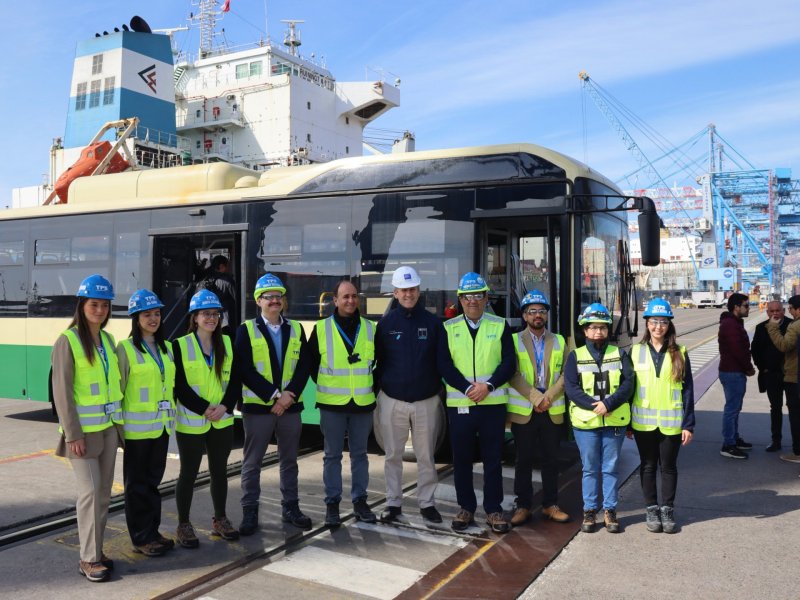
x=91, y=157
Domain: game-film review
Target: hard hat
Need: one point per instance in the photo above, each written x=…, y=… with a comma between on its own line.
x=472, y=283
x=534, y=297
x=96, y=286
x=203, y=300
x=595, y=313
x=658, y=307
x=405, y=277
x=268, y=283
x=142, y=300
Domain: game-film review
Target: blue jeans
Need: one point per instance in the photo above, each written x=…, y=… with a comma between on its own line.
x=734, y=386
x=599, y=450
x=334, y=426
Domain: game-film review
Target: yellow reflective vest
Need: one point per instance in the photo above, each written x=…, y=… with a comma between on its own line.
x=476, y=359
x=521, y=405
x=202, y=378
x=262, y=363
x=338, y=380
x=96, y=392
x=148, y=404
x=657, y=401
x=588, y=369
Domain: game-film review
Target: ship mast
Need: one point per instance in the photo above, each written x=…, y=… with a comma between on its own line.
x=206, y=17
x=292, y=38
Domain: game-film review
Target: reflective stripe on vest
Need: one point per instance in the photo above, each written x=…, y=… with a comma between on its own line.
x=588, y=369
x=657, y=401
x=203, y=380
x=476, y=359
x=98, y=403
x=519, y=404
x=262, y=363
x=148, y=404
x=338, y=381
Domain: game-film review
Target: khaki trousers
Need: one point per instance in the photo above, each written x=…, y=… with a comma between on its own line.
x=95, y=477
x=395, y=418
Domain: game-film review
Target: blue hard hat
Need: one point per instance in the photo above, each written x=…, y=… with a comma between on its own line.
x=534, y=297
x=595, y=313
x=658, y=307
x=268, y=283
x=472, y=283
x=96, y=286
x=142, y=300
x=203, y=300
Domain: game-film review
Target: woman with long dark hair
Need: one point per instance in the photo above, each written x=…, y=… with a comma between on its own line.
x=88, y=400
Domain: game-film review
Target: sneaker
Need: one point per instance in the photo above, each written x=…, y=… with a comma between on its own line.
x=462, y=520
x=498, y=522
x=792, y=458
x=363, y=513
x=429, y=513
x=555, y=514
x=774, y=447
x=291, y=513
x=520, y=516
x=186, y=535
x=732, y=452
x=154, y=548
x=391, y=514
x=249, y=524
x=332, y=518
x=93, y=571
x=742, y=445
x=106, y=562
x=653, y=519
x=610, y=520
x=668, y=519
x=223, y=528
x=588, y=521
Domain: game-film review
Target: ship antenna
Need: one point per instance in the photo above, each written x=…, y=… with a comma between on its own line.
x=292, y=39
x=206, y=16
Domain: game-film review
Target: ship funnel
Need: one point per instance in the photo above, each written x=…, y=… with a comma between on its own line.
x=139, y=25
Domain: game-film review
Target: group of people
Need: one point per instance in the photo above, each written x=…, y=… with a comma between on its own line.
x=393, y=375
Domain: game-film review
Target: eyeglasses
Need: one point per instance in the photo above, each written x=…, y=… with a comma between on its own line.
x=536, y=311
x=209, y=314
x=597, y=327
x=271, y=297
x=658, y=322
x=473, y=297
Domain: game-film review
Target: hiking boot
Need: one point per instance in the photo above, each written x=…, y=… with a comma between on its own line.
x=332, y=518
x=520, y=516
x=249, y=524
x=168, y=542
x=106, y=562
x=792, y=458
x=668, y=519
x=363, y=513
x=588, y=524
x=610, y=520
x=186, y=535
x=93, y=571
x=774, y=447
x=429, y=513
x=462, y=520
x=732, y=452
x=742, y=445
x=555, y=514
x=291, y=513
x=392, y=514
x=653, y=519
x=223, y=528
x=154, y=548
x=498, y=522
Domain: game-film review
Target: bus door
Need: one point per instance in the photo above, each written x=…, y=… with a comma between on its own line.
x=181, y=260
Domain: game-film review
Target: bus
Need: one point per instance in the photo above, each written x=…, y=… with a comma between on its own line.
x=523, y=216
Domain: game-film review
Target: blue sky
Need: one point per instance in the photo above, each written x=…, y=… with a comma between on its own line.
x=472, y=72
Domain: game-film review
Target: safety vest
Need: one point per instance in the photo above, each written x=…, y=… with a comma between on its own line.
x=476, y=359
x=97, y=393
x=202, y=378
x=262, y=363
x=657, y=401
x=148, y=405
x=587, y=370
x=338, y=380
x=523, y=406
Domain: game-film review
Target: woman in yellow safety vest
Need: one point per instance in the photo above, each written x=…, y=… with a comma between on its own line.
x=662, y=416
x=147, y=369
x=88, y=400
x=207, y=389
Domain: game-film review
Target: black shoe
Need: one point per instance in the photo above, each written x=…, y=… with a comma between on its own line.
x=429, y=513
x=732, y=452
x=291, y=513
x=589, y=520
x=742, y=445
x=249, y=523
x=774, y=447
x=332, y=518
x=363, y=513
x=391, y=514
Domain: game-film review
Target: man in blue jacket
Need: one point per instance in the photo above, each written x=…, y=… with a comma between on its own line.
x=405, y=350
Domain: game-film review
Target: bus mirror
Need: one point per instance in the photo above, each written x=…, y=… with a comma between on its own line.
x=649, y=238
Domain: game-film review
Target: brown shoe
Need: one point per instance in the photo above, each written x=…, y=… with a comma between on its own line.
x=154, y=548
x=186, y=535
x=610, y=520
x=93, y=571
x=498, y=522
x=555, y=514
x=520, y=517
x=223, y=528
x=589, y=520
x=462, y=520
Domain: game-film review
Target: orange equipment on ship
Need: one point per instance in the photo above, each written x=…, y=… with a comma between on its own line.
x=91, y=156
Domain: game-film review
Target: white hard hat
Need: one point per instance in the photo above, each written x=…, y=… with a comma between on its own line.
x=405, y=277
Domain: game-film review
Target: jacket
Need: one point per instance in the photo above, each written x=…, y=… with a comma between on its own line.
x=574, y=388
x=519, y=383
x=734, y=345
x=787, y=343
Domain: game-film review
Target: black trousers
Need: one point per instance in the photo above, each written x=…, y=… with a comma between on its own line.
x=143, y=465
x=540, y=433
x=775, y=387
x=657, y=449
x=793, y=404
x=217, y=444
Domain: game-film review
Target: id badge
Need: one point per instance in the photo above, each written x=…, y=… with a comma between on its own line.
x=463, y=410
x=109, y=408
x=164, y=405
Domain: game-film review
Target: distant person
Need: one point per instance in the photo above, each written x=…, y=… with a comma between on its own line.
x=735, y=367
x=788, y=343
x=769, y=360
x=219, y=281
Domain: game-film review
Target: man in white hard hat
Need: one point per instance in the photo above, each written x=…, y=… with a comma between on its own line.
x=406, y=343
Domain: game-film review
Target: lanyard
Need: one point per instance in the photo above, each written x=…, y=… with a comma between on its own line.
x=209, y=359
x=344, y=335
x=538, y=353
x=156, y=356
x=103, y=358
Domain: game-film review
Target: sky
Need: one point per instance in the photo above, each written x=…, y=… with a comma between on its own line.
x=472, y=72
